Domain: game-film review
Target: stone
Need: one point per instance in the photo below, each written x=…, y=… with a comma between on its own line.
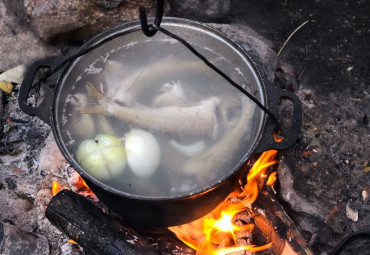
x=203, y=10
x=80, y=19
x=50, y=156
x=257, y=47
x=11, y=182
x=33, y=136
x=18, y=44
x=108, y=4
x=14, y=240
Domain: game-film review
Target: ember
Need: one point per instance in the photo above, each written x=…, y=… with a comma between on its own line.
x=215, y=232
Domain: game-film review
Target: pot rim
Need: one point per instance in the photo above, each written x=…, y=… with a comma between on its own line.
x=132, y=26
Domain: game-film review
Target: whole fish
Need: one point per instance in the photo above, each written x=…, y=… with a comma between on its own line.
x=191, y=120
x=133, y=85
x=208, y=163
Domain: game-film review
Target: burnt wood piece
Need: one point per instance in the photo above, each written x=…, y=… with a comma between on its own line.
x=277, y=226
x=18, y=241
x=100, y=233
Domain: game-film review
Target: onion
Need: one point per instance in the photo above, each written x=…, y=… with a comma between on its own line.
x=143, y=153
x=104, y=157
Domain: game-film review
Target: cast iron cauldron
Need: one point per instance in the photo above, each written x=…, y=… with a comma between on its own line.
x=170, y=210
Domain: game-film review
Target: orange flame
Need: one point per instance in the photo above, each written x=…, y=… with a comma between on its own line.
x=84, y=184
x=215, y=233
x=55, y=188
x=271, y=180
x=278, y=138
x=71, y=241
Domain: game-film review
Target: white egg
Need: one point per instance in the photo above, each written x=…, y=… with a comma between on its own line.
x=143, y=153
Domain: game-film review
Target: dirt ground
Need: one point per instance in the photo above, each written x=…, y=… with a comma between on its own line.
x=330, y=53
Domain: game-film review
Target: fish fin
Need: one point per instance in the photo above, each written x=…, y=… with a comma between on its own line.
x=100, y=101
x=95, y=93
x=122, y=92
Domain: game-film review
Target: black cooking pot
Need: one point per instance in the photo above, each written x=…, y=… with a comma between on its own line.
x=168, y=210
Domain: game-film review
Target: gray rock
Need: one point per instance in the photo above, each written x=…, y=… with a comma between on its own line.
x=18, y=45
x=78, y=20
x=17, y=241
x=257, y=47
x=50, y=156
x=108, y=4
x=204, y=10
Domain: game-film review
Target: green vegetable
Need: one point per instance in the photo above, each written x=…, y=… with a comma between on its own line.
x=104, y=157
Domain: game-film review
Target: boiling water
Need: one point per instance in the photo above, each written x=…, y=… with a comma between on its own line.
x=156, y=74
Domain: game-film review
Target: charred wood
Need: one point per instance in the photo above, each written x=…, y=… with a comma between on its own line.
x=100, y=233
x=271, y=218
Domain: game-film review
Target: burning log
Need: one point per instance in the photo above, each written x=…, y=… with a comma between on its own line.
x=270, y=217
x=219, y=231
x=100, y=233
x=228, y=229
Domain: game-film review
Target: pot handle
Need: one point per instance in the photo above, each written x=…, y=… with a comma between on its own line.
x=44, y=110
x=268, y=142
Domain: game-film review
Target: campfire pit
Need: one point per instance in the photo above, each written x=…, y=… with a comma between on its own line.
x=227, y=229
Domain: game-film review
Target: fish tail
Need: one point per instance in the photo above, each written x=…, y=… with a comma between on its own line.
x=100, y=101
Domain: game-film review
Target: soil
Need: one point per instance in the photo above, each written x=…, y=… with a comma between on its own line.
x=330, y=53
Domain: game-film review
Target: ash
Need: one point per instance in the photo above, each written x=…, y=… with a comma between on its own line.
x=30, y=161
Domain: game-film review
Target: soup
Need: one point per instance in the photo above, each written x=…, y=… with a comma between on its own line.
x=150, y=118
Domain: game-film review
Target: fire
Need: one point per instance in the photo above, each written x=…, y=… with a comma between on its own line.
x=71, y=241
x=55, y=188
x=84, y=184
x=216, y=232
x=272, y=179
x=278, y=138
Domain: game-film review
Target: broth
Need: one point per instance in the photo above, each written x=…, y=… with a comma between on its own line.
x=163, y=78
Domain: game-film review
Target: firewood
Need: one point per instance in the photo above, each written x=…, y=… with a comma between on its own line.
x=100, y=233
x=271, y=218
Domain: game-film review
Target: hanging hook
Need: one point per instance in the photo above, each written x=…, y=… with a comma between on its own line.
x=150, y=30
